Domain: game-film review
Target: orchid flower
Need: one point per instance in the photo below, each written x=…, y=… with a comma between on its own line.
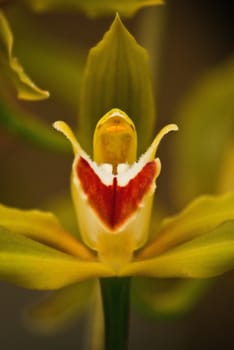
x=113, y=196
x=113, y=192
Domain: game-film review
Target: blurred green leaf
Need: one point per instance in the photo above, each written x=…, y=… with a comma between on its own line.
x=51, y=59
x=206, y=121
x=167, y=298
x=10, y=66
x=117, y=76
x=95, y=329
x=226, y=180
x=57, y=310
x=92, y=7
x=57, y=66
x=209, y=255
x=32, y=130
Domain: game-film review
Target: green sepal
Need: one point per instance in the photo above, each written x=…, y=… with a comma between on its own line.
x=117, y=76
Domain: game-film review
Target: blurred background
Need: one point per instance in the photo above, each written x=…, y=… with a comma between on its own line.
x=191, y=45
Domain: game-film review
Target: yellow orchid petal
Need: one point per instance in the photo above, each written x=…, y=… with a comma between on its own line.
x=66, y=131
x=34, y=265
x=207, y=256
x=200, y=216
x=150, y=153
x=42, y=227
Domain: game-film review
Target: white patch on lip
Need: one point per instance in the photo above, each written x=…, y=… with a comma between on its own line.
x=130, y=172
x=103, y=171
x=122, y=168
x=125, y=172
x=107, y=168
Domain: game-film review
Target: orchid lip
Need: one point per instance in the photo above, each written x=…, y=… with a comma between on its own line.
x=115, y=198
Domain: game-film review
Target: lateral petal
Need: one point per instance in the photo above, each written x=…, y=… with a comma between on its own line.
x=199, y=217
x=43, y=227
x=207, y=256
x=33, y=265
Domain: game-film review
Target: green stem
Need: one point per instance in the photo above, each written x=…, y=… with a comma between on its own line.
x=115, y=299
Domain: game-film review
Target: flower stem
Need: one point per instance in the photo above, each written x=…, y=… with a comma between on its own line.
x=115, y=299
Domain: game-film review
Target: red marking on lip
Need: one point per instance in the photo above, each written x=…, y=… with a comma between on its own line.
x=114, y=204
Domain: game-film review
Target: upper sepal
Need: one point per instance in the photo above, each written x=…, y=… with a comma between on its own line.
x=123, y=72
